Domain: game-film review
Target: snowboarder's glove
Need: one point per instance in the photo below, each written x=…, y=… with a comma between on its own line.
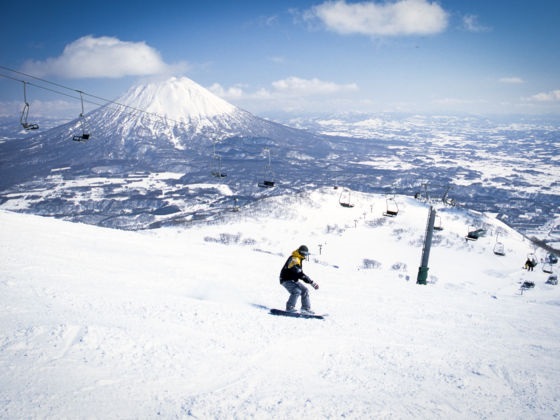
x=315, y=285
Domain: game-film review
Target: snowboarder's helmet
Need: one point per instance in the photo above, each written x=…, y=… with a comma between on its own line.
x=303, y=251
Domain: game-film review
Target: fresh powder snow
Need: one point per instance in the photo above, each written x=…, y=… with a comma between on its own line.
x=175, y=323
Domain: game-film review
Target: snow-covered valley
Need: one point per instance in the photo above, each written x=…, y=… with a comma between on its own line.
x=173, y=322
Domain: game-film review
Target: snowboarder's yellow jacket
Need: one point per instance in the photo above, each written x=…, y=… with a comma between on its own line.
x=293, y=269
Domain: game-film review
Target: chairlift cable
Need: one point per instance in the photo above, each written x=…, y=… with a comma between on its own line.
x=106, y=101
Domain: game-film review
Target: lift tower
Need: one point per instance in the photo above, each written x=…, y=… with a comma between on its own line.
x=423, y=270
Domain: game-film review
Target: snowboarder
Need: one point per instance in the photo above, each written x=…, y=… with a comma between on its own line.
x=291, y=273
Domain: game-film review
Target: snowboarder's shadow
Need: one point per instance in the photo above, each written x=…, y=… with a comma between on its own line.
x=259, y=306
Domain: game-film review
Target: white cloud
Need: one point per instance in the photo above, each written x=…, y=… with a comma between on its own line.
x=552, y=96
x=471, y=24
x=277, y=59
x=295, y=86
x=403, y=17
x=234, y=92
x=288, y=95
x=511, y=80
x=107, y=57
x=289, y=87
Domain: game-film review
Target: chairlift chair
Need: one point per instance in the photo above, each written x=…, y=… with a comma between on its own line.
x=235, y=207
x=473, y=235
x=437, y=224
x=445, y=198
x=218, y=171
x=533, y=259
x=499, y=249
x=85, y=135
x=552, y=259
x=25, y=112
x=547, y=268
x=392, y=208
x=346, y=204
x=267, y=182
x=552, y=279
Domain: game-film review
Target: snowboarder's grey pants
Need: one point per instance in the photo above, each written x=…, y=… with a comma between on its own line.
x=296, y=290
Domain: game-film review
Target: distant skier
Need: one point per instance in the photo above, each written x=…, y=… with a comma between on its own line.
x=291, y=273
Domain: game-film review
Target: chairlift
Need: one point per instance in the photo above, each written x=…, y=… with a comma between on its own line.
x=25, y=112
x=235, y=207
x=217, y=163
x=552, y=259
x=445, y=198
x=552, y=279
x=437, y=224
x=499, y=248
x=85, y=135
x=423, y=196
x=267, y=182
x=345, y=203
x=547, y=268
x=392, y=208
x=532, y=260
x=473, y=235
x=217, y=172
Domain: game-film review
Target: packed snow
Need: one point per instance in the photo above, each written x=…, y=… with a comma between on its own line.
x=174, y=322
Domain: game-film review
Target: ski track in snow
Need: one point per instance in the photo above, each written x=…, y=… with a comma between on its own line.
x=173, y=322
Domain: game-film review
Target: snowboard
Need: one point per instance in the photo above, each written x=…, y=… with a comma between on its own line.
x=296, y=314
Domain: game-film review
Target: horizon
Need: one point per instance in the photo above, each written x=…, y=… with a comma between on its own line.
x=296, y=57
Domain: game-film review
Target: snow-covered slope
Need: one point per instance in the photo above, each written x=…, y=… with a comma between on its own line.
x=173, y=322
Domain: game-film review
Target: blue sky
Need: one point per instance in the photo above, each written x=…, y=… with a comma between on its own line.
x=300, y=57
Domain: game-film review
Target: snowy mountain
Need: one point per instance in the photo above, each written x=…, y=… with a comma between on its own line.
x=154, y=127
x=108, y=179
x=181, y=111
x=174, y=323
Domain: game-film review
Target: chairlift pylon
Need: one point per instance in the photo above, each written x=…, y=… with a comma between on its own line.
x=267, y=182
x=85, y=135
x=25, y=112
